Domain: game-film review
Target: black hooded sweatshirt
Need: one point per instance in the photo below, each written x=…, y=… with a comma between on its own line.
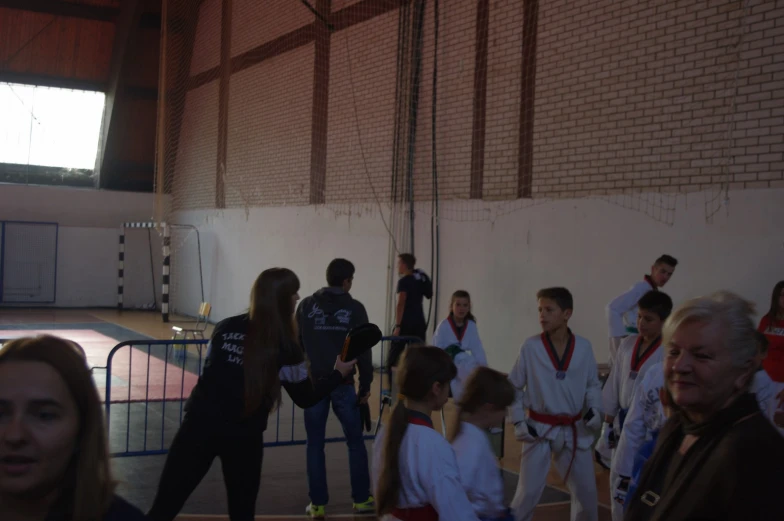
x=324, y=319
x=219, y=395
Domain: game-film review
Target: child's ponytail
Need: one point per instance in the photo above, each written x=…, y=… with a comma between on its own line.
x=419, y=368
x=389, y=482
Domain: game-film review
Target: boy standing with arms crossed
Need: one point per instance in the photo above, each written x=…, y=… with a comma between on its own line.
x=556, y=378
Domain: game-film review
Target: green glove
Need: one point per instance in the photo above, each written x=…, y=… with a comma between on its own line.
x=453, y=350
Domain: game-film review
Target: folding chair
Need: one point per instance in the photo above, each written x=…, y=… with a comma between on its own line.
x=196, y=332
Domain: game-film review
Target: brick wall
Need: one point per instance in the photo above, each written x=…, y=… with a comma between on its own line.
x=630, y=96
x=268, y=158
x=206, y=46
x=638, y=96
x=255, y=23
x=193, y=185
x=505, y=40
x=360, y=125
x=454, y=122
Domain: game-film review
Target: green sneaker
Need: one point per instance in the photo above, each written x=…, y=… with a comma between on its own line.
x=315, y=511
x=366, y=507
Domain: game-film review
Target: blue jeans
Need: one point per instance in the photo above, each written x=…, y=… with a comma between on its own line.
x=344, y=403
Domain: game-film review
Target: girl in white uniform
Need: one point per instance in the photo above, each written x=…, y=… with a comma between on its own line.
x=458, y=335
x=415, y=471
x=487, y=394
x=635, y=356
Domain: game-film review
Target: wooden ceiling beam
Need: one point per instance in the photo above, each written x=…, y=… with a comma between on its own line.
x=44, y=80
x=126, y=30
x=57, y=8
x=148, y=20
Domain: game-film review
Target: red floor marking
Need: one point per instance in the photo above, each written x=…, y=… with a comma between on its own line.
x=41, y=316
x=166, y=380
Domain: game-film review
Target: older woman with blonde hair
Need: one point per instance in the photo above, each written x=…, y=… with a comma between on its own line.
x=54, y=460
x=718, y=457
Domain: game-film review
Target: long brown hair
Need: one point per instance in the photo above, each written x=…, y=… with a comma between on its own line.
x=774, y=310
x=419, y=368
x=272, y=331
x=88, y=480
x=461, y=293
x=484, y=386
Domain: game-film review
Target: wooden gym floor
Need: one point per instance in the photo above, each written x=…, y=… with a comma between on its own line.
x=149, y=324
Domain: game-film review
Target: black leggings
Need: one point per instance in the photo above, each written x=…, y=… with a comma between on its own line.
x=198, y=442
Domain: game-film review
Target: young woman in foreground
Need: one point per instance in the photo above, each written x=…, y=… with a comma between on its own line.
x=54, y=460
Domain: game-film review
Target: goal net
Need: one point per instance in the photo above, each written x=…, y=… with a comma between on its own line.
x=160, y=268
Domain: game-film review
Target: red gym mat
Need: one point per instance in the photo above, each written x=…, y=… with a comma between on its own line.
x=129, y=382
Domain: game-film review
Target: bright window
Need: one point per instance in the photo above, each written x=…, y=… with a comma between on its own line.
x=49, y=127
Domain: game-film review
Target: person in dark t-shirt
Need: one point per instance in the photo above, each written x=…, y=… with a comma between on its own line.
x=414, y=285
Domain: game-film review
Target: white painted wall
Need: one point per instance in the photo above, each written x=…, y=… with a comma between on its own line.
x=89, y=223
x=595, y=248
x=305, y=239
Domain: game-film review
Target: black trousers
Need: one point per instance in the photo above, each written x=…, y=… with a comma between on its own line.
x=199, y=441
x=397, y=348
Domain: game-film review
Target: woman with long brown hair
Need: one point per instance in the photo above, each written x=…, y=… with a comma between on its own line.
x=417, y=475
x=54, y=461
x=250, y=357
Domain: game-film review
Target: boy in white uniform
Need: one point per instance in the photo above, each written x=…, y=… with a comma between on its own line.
x=768, y=392
x=776, y=408
x=636, y=355
x=555, y=376
x=622, y=310
x=646, y=416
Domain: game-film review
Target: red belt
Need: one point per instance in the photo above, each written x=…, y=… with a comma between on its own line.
x=555, y=420
x=559, y=420
x=425, y=513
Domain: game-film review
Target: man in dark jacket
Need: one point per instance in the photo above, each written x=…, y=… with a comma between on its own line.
x=324, y=319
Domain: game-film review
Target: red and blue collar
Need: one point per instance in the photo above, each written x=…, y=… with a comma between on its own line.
x=640, y=356
x=458, y=331
x=560, y=364
x=418, y=418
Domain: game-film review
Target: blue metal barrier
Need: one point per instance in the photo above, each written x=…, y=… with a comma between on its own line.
x=137, y=409
x=143, y=411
